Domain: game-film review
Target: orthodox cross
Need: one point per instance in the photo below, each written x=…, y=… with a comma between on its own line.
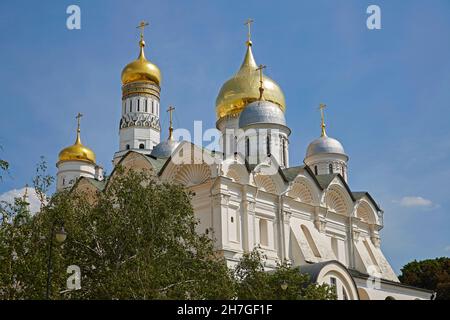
x=78, y=117
x=321, y=108
x=142, y=26
x=248, y=23
x=260, y=68
x=170, y=111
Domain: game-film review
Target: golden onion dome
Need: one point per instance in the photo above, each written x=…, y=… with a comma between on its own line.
x=77, y=152
x=141, y=69
x=243, y=88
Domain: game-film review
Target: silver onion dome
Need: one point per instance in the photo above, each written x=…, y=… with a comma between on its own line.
x=261, y=112
x=325, y=144
x=164, y=149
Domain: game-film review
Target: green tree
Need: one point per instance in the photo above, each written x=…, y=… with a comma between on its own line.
x=431, y=274
x=284, y=283
x=136, y=239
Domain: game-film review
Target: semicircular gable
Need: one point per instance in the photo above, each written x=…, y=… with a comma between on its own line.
x=266, y=183
x=367, y=213
x=132, y=161
x=189, y=174
x=236, y=171
x=304, y=190
x=338, y=200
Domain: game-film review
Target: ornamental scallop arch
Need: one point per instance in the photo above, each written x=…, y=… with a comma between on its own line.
x=192, y=174
x=337, y=201
x=303, y=191
x=366, y=213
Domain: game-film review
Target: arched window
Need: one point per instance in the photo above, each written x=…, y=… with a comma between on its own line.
x=141, y=146
x=247, y=147
x=330, y=168
x=127, y=147
x=315, y=170
x=263, y=233
x=268, y=144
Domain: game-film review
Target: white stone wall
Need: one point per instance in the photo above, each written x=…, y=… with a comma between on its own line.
x=70, y=171
x=323, y=161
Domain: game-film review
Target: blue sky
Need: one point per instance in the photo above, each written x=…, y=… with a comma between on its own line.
x=388, y=90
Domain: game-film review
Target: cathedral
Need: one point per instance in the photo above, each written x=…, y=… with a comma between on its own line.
x=248, y=194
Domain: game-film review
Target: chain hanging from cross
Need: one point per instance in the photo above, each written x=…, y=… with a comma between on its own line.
x=260, y=68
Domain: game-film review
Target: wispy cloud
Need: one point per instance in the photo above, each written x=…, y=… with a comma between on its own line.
x=33, y=199
x=415, y=201
x=447, y=248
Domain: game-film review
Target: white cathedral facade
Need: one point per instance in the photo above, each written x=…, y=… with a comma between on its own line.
x=248, y=195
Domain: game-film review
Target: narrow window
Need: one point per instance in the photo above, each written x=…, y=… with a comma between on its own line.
x=315, y=170
x=232, y=219
x=127, y=147
x=139, y=105
x=268, y=144
x=284, y=153
x=153, y=107
x=330, y=168
x=247, y=147
x=333, y=281
x=343, y=171
x=146, y=105
x=141, y=146
x=131, y=104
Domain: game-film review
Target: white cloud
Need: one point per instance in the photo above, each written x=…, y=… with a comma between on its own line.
x=415, y=201
x=33, y=199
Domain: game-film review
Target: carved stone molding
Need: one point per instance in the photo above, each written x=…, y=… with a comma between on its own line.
x=135, y=119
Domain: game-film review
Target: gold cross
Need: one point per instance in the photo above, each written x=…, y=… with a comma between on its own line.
x=321, y=108
x=78, y=117
x=248, y=23
x=142, y=26
x=260, y=68
x=170, y=111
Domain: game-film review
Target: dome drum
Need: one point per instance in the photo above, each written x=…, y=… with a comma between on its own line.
x=141, y=88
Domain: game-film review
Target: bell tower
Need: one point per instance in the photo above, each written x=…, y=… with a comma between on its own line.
x=139, y=128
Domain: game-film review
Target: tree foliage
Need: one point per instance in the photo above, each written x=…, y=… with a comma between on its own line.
x=284, y=283
x=4, y=166
x=136, y=239
x=431, y=274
